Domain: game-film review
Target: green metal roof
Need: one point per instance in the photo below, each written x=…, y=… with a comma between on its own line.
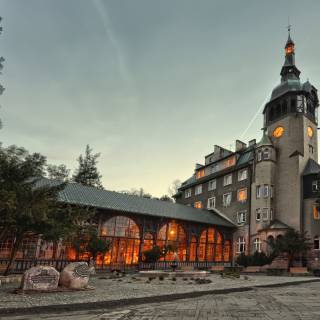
x=312, y=167
x=75, y=193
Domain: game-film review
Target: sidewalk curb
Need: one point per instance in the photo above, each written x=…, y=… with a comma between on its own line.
x=136, y=301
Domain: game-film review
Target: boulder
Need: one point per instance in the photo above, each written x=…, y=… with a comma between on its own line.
x=40, y=278
x=76, y=275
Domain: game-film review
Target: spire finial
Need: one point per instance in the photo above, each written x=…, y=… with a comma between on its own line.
x=289, y=26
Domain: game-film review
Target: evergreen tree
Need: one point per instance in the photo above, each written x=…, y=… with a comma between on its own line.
x=60, y=172
x=87, y=172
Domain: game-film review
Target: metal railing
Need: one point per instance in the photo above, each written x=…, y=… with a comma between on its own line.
x=21, y=265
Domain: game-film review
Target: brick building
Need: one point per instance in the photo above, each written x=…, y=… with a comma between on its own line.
x=268, y=186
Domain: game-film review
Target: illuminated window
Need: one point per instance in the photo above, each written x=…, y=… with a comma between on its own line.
x=242, y=195
x=5, y=248
x=226, y=199
x=187, y=193
x=227, y=180
x=229, y=162
x=124, y=236
x=242, y=174
x=316, y=243
x=198, y=204
x=316, y=213
x=257, y=245
x=258, y=214
x=212, y=184
x=241, y=217
x=147, y=242
x=198, y=189
x=289, y=49
x=241, y=245
x=28, y=248
x=265, y=212
x=200, y=173
x=193, y=249
x=173, y=234
x=211, y=203
x=227, y=251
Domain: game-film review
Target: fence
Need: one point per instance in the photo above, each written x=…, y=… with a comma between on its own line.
x=19, y=266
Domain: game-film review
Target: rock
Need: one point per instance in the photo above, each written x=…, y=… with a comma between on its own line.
x=40, y=278
x=75, y=275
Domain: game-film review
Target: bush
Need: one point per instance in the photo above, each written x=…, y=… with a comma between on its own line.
x=257, y=259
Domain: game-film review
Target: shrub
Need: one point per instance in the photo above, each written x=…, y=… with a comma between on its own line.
x=257, y=259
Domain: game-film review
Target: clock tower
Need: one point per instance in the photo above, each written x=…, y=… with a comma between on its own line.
x=290, y=121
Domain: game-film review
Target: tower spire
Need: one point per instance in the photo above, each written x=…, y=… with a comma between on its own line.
x=289, y=69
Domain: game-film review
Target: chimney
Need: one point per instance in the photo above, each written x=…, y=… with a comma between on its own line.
x=240, y=145
x=252, y=142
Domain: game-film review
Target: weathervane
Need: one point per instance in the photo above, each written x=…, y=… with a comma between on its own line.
x=289, y=26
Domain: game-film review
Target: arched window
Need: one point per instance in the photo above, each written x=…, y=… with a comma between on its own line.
x=193, y=249
x=202, y=246
x=173, y=234
x=241, y=245
x=147, y=242
x=257, y=245
x=218, y=256
x=316, y=243
x=124, y=235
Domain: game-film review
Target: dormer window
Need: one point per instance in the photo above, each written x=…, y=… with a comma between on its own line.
x=200, y=173
x=266, y=154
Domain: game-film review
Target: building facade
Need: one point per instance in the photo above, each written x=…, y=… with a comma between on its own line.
x=268, y=186
x=133, y=225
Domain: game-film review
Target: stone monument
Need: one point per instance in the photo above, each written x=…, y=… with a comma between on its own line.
x=76, y=275
x=43, y=278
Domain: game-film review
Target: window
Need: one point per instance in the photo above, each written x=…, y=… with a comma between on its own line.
x=241, y=245
x=316, y=243
x=257, y=245
x=241, y=216
x=316, y=213
x=229, y=162
x=212, y=185
x=266, y=154
x=211, y=203
x=259, y=155
x=258, y=192
x=200, y=173
x=265, y=191
x=198, y=204
x=258, y=214
x=226, y=199
x=227, y=180
x=310, y=149
x=315, y=185
x=187, y=193
x=271, y=191
x=242, y=174
x=198, y=189
x=242, y=195
x=265, y=214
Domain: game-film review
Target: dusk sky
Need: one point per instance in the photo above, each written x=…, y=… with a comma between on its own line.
x=151, y=85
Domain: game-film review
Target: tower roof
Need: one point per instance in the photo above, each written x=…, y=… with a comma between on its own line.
x=265, y=140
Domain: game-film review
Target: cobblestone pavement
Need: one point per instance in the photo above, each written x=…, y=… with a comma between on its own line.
x=285, y=303
x=131, y=286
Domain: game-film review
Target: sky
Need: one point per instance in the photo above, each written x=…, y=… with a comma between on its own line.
x=151, y=85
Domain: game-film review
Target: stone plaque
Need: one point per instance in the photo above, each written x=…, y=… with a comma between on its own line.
x=76, y=275
x=40, y=278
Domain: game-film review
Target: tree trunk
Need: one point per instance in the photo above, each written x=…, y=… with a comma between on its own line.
x=15, y=247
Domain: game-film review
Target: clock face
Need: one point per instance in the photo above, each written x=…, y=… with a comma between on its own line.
x=278, y=132
x=310, y=132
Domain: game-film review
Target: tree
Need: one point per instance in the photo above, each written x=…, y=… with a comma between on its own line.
x=166, y=198
x=138, y=192
x=1, y=67
x=29, y=206
x=173, y=188
x=59, y=172
x=292, y=243
x=87, y=172
x=97, y=245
